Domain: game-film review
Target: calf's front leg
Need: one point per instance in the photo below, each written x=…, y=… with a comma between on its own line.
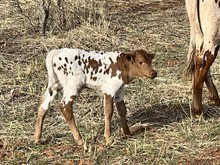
x=122, y=113
x=108, y=108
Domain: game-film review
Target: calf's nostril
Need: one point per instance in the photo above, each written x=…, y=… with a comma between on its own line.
x=154, y=74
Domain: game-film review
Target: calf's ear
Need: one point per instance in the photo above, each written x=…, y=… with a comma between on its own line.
x=130, y=57
x=151, y=55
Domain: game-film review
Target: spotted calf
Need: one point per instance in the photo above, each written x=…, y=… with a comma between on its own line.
x=69, y=70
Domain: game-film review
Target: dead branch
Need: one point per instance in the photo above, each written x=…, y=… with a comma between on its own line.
x=20, y=10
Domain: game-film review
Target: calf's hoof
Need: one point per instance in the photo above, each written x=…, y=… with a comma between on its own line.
x=37, y=141
x=197, y=113
x=214, y=101
x=127, y=132
x=79, y=142
x=108, y=141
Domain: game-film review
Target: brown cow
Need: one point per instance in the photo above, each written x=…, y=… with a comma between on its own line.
x=204, y=18
x=69, y=70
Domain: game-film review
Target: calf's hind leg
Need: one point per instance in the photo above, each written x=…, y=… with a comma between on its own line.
x=39, y=124
x=48, y=97
x=67, y=111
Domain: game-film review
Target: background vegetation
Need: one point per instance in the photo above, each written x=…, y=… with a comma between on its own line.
x=158, y=110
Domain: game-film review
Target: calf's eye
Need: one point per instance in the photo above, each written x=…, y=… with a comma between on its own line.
x=140, y=63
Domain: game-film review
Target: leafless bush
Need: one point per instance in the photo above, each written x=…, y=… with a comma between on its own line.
x=55, y=15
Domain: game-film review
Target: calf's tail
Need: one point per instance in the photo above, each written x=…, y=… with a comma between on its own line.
x=52, y=78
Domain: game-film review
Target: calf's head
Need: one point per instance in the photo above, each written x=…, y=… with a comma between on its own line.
x=140, y=64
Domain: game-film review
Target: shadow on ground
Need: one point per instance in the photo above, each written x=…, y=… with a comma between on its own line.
x=159, y=115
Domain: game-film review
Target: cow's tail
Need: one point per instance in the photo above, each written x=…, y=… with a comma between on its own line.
x=190, y=64
x=193, y=11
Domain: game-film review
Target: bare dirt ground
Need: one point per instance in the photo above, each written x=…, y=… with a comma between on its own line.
x=158, y=110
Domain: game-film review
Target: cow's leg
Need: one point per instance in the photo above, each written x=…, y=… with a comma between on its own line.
x=197, y=94
x=120, y=105
x=108, y=108
x=201, y=71
x=213, y=93
x=42, y=109
x=67, y=111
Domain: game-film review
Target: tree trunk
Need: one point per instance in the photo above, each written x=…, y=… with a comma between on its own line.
x=45, y=6
x=61, y=13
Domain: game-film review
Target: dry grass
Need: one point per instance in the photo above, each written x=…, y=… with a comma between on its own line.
x=158, y=110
